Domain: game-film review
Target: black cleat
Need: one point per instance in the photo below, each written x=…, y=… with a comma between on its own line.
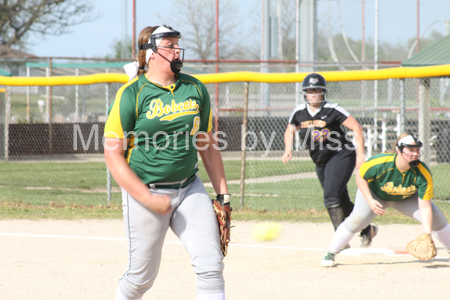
x=366, y=239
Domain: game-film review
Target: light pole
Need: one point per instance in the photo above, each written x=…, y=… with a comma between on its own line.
x=133, y=55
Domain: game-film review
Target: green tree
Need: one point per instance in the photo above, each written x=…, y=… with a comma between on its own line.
x=122, y=49
x=287, y=26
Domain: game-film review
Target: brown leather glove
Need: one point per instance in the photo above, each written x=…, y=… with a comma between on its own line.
x=223, y=209
x=422, y=247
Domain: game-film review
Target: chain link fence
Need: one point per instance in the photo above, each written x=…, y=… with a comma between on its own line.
x=384, y=109
x=62, y=161
x=59, y=161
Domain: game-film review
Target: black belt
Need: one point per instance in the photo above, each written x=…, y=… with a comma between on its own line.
x=182, y=184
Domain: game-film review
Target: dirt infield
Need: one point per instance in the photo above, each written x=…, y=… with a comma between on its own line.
x=84, y=260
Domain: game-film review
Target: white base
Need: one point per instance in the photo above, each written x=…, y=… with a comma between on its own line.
x=371, y=251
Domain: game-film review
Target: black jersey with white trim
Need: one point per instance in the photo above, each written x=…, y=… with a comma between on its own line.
x=321, y=131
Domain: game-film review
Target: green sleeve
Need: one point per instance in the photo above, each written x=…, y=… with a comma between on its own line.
x=205, y=111
x=122, y=114
x=424, y=183
x=368, y=171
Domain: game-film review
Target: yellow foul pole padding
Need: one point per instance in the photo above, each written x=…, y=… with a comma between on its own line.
x=352, y=75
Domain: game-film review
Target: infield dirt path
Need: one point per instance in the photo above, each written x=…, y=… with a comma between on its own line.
x=71, y=260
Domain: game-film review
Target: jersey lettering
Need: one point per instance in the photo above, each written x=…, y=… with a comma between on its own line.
x=398, y=190
x=313, y=123
x=172, y=111
x=196, y=125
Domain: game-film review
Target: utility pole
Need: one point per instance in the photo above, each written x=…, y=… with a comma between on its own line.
x=133, y=55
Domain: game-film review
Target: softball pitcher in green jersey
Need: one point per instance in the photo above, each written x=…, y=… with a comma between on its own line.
x=157, y=124
x=397, y=180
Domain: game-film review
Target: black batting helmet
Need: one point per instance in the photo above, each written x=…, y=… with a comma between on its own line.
x=314, y=81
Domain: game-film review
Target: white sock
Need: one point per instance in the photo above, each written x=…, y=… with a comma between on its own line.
x=341, y=237
x=443, y=236
x=120, y=296
x=217, y=296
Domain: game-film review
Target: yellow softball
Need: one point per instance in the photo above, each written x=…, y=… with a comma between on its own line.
x=266, y=231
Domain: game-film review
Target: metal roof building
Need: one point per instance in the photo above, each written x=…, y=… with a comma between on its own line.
x=4, y=73
x=436, y=54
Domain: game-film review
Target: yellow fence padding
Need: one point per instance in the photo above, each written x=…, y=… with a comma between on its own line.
x=353, y=75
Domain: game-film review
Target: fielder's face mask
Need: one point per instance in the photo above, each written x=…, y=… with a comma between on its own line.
x=323, y=93
x=410, y=141
x=153, y=43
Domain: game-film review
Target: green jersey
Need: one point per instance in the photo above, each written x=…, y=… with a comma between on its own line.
x=161, y=122
x=386, y=180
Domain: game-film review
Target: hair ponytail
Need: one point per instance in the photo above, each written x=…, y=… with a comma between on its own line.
x=143, y=38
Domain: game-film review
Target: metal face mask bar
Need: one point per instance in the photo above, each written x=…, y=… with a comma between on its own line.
x=314, y=81
x=175, y=65
x=407, y=142
x=152, y=45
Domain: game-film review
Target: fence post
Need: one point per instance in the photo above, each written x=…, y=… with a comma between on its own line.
x=383, y=134
x=243, y=145
x=375, y=114
x=77, y=100
x=402, y=106
x=108, y=173
x=369, y=141
x=363, y=98
x=28, y=97
x=7, y=116
x=216, y=106
x=49, y=109
x=389, y=92
x=424, y=118
x=443, y=87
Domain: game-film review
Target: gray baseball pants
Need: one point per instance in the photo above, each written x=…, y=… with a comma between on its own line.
x=194, y=222
x=362, y=215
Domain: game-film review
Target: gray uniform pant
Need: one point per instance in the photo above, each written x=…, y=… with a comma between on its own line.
x=193, y=220
x=362, y=215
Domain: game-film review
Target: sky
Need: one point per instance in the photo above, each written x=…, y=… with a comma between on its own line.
x=397, y=22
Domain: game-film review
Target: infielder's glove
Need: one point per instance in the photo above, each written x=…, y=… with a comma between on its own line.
x=223, y=211
x=422, y=247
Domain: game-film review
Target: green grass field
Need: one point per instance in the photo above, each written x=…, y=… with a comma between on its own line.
x=95, y=104
x=84, y=184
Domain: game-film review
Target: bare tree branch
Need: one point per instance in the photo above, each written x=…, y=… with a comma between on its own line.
x=21, y=18
x=196, y=21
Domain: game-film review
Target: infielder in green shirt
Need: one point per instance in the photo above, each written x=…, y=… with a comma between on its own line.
x=159, y=121
x=398, y=180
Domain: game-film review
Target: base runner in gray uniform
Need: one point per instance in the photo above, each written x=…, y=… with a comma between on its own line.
x=164, y=119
